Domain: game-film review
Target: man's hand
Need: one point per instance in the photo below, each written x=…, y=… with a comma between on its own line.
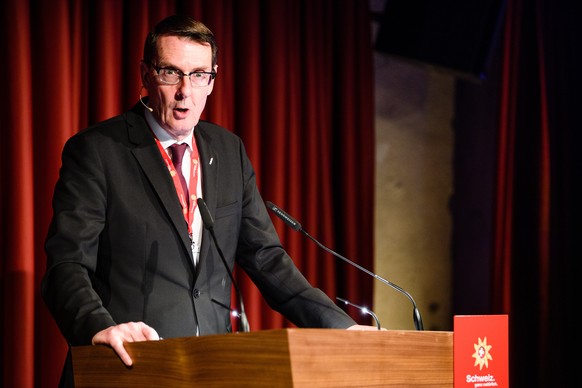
x=115, y=336
x=364, y=328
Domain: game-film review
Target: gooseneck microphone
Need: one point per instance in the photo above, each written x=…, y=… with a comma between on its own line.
x=364, y=310
x=209, y=225
x=290, y=221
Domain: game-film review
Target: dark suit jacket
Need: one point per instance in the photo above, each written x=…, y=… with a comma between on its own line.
x=118, y=248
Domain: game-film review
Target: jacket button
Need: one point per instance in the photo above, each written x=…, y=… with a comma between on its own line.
x=196, y=293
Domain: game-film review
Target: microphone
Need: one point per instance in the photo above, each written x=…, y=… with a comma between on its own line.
x=233, y=312
x=364, y=310
x=209, y=225
x=290, y=221
x=143, y=103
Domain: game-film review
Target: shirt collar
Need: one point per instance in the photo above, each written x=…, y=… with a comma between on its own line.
x=163, y=136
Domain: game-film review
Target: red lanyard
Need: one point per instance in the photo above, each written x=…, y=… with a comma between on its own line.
x=188, y=207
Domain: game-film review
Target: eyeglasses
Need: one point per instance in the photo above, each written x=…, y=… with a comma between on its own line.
x=170, y=76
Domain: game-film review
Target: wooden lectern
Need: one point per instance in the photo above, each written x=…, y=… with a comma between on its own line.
x=276, y=358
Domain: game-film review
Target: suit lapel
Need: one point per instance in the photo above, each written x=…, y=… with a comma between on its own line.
x=209, y=163
x=148, y=156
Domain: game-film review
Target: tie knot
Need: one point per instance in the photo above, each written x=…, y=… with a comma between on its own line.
x=178, y=153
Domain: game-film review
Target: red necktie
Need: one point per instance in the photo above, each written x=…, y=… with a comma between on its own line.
x=177, y=155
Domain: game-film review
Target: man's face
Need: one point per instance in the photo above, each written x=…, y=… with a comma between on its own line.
x=177, y=108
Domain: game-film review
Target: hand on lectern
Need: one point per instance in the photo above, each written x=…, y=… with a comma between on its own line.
x=115, y=336
x=364, y=328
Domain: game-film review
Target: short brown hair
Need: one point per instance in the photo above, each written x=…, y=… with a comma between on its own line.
x=179, y=25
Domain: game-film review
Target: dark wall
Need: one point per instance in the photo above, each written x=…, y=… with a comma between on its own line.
x=462, y=38
x=455, y=35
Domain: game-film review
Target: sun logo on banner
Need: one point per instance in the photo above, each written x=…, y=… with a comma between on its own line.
x=481, y=354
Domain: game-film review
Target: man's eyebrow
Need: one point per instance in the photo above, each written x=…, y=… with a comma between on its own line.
x=199, y=68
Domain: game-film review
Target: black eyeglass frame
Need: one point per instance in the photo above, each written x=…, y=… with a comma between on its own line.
x=181, y=75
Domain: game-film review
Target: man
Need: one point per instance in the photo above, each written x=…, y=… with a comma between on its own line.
x=128, y=257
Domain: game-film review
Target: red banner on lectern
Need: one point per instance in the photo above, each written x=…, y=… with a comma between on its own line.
x=481, y=351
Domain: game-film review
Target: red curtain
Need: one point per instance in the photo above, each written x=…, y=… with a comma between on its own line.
x=538, y=210
x=295, y=82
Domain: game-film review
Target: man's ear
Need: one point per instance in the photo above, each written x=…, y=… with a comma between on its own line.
x=211, y=87
x=145, y=74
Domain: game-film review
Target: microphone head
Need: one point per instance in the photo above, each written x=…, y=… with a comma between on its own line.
x=205, y=214
x=244, y=323
x=290, y=221
x=417, y=319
